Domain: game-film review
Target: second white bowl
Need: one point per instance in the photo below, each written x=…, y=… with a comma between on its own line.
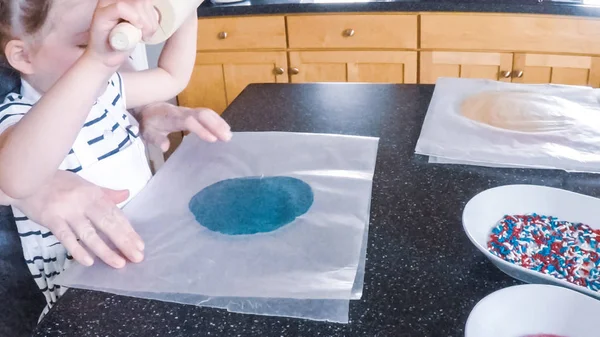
x=483, y=212
x=534, y=309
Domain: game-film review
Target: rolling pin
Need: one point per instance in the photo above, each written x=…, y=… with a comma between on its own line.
x=171, y=14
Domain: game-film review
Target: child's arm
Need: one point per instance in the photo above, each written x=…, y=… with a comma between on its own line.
x=5, y=200
x=175, y=67
x=32, y=150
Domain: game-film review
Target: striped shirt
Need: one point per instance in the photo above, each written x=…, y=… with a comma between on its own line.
x=100, y=130
x=107, y=130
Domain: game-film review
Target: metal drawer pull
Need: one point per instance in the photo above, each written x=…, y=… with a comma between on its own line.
x=517, y=73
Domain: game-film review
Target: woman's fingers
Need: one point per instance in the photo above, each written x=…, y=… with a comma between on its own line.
x=115, y=12
x=111, y=221
x=86, y=232
x=71, y=208
x=65, y=235
x=149, y=17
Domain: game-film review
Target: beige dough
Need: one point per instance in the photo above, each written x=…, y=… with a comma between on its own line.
x=524, y=111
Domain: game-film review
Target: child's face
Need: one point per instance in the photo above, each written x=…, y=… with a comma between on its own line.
x=62, y=41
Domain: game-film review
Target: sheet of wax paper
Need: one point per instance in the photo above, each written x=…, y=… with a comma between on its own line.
x=448, y=137
x=310, y=267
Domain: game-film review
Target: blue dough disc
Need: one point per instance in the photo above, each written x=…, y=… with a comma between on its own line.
x=251, y=205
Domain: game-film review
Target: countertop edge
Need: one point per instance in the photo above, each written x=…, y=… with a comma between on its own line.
x=210, y=10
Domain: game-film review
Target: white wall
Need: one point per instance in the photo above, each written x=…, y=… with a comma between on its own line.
x=153, y=52
x=155, y=154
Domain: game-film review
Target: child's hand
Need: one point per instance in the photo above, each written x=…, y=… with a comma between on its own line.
x=108, y=14
x=157, y=121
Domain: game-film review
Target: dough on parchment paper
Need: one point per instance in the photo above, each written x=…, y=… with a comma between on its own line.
x=526, y=111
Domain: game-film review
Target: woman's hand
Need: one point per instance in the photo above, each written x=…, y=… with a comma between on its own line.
x=158, y=120
x=77, y=212
x=108, y=14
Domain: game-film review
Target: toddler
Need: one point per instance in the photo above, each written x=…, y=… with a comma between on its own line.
x=71, y=113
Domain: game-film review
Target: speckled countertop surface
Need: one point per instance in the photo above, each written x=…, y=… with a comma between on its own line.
x=423, y=276
x=259, y=7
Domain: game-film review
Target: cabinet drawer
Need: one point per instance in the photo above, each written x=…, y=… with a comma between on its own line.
x=353, y=31
x=242, y=33
x=510, y=33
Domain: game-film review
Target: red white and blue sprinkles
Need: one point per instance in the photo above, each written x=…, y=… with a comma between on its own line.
x=565, y=250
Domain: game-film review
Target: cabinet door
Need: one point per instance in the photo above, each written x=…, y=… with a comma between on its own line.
x=353, y=66
x=493, y=66
x=219, y=78
x=557, y=69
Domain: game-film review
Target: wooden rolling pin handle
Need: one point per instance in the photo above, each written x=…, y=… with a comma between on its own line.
x=125, y=36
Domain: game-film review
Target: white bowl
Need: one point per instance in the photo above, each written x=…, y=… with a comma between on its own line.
x=483, y=212
x=534, y=309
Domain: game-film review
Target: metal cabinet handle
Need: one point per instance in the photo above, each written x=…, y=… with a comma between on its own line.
x=279, y=71
x=505, y=74
x=222, y=35
x=349, y=32
x=517, y=73
x=294, y=71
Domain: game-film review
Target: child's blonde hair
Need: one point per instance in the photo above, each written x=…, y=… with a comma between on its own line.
x=21, y=17
x=18, y=18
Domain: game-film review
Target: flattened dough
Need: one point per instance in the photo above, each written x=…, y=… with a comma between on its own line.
x=251, y=205
x=524, y=111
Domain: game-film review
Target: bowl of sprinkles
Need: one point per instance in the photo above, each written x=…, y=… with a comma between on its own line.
x=534, y=310
x=562, y=249
x=538, y=234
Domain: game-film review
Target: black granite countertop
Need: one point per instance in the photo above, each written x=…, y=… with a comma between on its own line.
x=423, y=275
x=259, y=7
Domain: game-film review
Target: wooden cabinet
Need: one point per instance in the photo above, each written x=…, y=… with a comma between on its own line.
x=527, y=48
x=353, y=66
x=389, y=48
x=232, y=53
x=510, y=32
x=334, y=48
x=220, y=77
x=557, y=69
x=236, y=51
x=493, y=66
x=242, y=33
x=509, y=67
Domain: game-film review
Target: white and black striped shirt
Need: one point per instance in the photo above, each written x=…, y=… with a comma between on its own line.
x=100, y=131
